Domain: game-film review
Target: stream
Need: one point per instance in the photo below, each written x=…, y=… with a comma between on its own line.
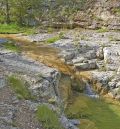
x=2, y=40
x=82, y=102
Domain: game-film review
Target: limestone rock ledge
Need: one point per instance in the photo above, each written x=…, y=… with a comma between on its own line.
x=95, y=56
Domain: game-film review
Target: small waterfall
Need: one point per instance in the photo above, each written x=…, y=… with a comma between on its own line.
x=89, y=91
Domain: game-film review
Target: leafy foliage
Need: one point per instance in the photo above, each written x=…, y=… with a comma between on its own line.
x=30, y=12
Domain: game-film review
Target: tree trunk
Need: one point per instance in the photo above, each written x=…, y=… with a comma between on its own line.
x=7, y=12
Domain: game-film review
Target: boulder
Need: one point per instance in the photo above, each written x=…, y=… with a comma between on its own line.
x=89, y=64
x=78, y=60
x=111, y=57
x=82, y=66
x=67, y=55
x=91, y=54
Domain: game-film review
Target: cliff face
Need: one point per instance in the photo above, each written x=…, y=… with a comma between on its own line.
x=109, y=13
x=101, y=13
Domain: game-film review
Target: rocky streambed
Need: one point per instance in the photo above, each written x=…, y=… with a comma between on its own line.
x=43, y=83
x=83, y=65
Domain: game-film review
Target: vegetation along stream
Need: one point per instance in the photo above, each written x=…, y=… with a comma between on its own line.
x=94, y=113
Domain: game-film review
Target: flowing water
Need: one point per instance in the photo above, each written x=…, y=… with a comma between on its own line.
x=2, y=40
x=93, y=113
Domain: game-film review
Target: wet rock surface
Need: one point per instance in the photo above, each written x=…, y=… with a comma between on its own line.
x=95, y=56
x=43, y=83
x=93, y=51
x=98, y=53
x=15, y=113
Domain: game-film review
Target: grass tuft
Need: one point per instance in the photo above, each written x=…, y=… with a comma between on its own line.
x=102, y=30
x=48, y=118
x=20, y=88
x=53, y=39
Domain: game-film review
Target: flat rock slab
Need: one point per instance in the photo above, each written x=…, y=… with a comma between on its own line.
x=39, y=37
x=14, y=62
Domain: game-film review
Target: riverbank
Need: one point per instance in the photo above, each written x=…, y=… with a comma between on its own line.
x=80, y=53
x=93, y=55
x=41, y=82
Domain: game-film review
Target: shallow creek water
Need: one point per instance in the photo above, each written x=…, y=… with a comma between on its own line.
x=93, y=113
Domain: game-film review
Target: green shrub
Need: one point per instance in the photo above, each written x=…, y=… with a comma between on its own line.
x=48, y=118
x=20, y=88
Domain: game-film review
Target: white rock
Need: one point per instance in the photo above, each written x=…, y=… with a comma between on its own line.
x=82, y=66
x=78, y=60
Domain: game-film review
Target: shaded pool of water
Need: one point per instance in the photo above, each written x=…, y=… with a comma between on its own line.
x=94, y=113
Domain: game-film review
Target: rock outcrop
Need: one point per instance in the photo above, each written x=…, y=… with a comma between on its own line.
x=42, y=79
x=102, y=13
x=43, y=83
x=96, y=57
